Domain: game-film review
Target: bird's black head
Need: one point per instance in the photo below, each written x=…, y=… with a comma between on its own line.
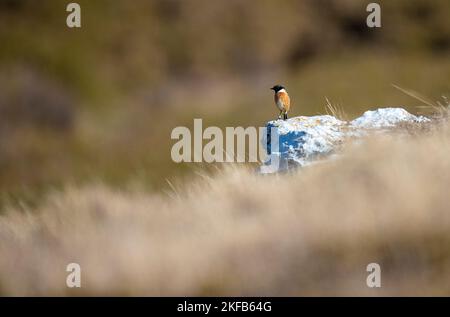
x=277, y=88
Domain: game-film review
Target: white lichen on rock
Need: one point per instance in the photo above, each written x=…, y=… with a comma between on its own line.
x=385, y=118
x=301, y=140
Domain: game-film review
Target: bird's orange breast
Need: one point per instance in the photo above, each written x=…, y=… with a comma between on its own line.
x=283, y=98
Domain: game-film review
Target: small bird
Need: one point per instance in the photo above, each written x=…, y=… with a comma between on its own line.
x=282, y=100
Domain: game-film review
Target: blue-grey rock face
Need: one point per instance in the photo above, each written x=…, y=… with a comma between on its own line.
x=301, y=140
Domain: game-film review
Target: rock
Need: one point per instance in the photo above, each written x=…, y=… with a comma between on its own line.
x=302, y=140
x=384, y=118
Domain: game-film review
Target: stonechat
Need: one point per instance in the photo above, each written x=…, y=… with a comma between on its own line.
x=282, y=100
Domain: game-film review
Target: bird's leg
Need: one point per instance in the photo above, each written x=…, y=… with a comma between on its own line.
x=285, y=116
x=279, y=116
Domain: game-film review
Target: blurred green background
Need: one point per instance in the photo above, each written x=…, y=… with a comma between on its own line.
x=98, y=103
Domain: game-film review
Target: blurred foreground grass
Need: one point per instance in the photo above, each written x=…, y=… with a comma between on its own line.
x=312, y=231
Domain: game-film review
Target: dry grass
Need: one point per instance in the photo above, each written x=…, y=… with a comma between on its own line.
x=309, y=232
x=335, y=111
x=439, y=108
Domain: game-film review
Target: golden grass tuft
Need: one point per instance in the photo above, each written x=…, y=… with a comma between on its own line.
x=335, y=111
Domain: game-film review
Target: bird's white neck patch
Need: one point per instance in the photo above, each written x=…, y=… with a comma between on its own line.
x=282, y=90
